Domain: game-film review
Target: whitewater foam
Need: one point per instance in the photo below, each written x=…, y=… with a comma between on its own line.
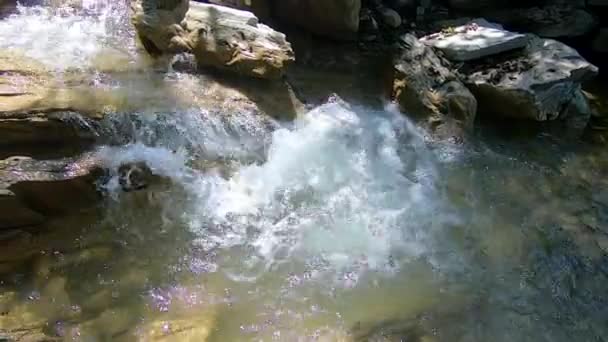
x=67, y=37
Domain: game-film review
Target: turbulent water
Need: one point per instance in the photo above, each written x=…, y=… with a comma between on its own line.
x=342, y=225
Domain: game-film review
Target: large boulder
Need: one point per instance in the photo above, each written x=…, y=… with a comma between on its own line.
x=234, y=40
x=220, y=37
x=36, y=107
x=426, y=90
x=537, y=83
x=34, y=190
x=337, y=19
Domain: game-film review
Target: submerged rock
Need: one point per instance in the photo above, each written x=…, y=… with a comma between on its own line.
x=134, y=176
x=430, y=93
x=195, y=327
x=37, y=107
x=538, y=83
x=337, y=19
x=389, y=17
x=475, y=40
x=37, y=189
x=235, y=40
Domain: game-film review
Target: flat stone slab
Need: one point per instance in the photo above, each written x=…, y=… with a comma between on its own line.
x=475, y=40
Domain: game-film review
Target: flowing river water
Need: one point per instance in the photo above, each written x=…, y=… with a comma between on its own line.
x=340, y=225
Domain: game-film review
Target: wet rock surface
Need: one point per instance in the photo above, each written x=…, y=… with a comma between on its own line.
x=220, y=37
x=35, y=190
x=236, y=41
x=536, y=84
x=426, y=89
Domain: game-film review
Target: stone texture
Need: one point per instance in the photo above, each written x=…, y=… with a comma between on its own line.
x=36, y=189
x=236, y=41
x=389, y=17
x=7, y=7
x=35, y=107
x=475, y=40
x=158, y=25
x=220, y=37
x=537, y=83
x=563, y=21
x=426, y=90
x=337, y=19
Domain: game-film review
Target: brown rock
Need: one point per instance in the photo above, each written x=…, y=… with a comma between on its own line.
x=538, y=83
x=235, y=40
x=430, y=93
x=36, y=189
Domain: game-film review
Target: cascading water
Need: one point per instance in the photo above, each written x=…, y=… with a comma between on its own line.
x=342, y=225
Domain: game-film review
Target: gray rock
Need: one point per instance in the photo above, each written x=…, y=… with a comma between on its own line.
x=220, y=37
x=235, y=40
x=134, y=176
x=427, y=91
x=389, y=17
x=32, y=190
x=475, y=40
x=537, y=84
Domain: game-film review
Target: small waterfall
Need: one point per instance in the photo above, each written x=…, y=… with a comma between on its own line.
x=351, y=187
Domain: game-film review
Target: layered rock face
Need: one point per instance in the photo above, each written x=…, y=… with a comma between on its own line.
x=235, y=40
x=538, y=84
x=32, y=190
x=429, y=92
x=220, y=37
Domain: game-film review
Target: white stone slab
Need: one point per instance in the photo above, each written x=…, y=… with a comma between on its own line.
x=475, y=40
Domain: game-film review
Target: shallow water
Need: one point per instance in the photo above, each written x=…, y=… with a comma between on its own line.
x=341, y=225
